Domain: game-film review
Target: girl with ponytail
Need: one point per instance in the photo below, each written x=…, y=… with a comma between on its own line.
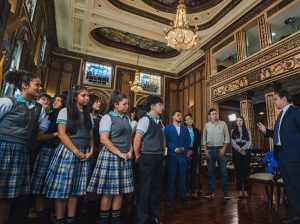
x=112, y=176
x=69, y=168
x=16, y=123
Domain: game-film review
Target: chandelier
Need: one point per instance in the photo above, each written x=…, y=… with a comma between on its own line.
x=136, y=86
x=180, y=36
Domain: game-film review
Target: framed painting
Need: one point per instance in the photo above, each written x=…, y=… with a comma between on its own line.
x=151, y=84
x=98, y=75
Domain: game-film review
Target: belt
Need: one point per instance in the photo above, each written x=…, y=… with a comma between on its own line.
x=279, y=147
x=214, y=147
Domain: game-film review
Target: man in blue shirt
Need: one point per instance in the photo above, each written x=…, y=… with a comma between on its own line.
x=178, y=141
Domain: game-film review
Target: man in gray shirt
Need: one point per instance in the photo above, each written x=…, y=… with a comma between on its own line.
x=215, y=140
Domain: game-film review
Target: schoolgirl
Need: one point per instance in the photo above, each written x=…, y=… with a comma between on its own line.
x=48, y=135
x=16, y=123
x=94, y=108
x=69, y=168
x=112, y=176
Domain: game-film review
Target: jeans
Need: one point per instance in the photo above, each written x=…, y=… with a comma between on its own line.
x=222, y=164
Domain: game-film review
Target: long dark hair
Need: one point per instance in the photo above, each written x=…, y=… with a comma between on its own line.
x=93, y=99
x=116, y=97
x=73, y=111
x=54, y=113
x=236, y=133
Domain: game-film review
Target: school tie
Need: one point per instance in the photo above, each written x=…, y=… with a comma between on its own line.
x=276, y=129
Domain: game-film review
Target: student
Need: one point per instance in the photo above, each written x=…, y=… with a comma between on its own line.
x=69, y=169
x=149, y=151
x=48, y=135
x=94, y=108
x=113, y=175
x=16, y=123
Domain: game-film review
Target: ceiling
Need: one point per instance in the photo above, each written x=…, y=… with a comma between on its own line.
x=118, y=29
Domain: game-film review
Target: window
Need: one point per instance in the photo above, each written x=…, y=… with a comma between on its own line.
x=285, y=22
x=226, y=57
x=15, y=62
x=151, y=83
x=252, y=39
x=43, y=47
x=30, y=6
x=97, y=75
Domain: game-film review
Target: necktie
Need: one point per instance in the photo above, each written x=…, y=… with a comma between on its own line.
x=276, y=129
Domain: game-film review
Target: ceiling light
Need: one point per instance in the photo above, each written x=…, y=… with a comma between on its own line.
x=180, y=36
x=136, y=86
x=261, y=113
x=273, y=34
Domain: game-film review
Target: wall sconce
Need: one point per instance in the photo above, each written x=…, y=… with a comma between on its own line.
x=191, y=108
x=232, y=117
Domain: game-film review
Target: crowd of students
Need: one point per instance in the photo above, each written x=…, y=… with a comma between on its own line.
x=65, y=149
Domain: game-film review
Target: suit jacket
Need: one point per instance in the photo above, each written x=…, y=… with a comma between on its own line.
x=197, y=140
x=289, y=135
x=174, y=141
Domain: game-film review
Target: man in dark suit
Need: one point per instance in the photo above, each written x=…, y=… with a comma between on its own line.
x=286, y=137
x=178, y=142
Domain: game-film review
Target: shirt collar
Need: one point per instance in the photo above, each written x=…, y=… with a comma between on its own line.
x=114, y=114
x=22, y=100
x=152, y=117
x=176, y=125
x=286, y=108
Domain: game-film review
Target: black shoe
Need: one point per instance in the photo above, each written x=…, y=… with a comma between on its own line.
x=295, y=219
x=195, y=196
x=209, y=195
x=226, y=196
x=157, y=221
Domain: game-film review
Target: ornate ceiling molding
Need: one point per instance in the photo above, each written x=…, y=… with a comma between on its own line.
x=171, y=8
x=163, y=20
x=130, y=42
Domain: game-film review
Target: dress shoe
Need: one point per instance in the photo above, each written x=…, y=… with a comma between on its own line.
x=157, y=221
x=295, y=219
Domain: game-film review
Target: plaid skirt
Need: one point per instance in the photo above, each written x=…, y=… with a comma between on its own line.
x=40, y=170
x=67, y=176
x=112, y=175
x=14, y=169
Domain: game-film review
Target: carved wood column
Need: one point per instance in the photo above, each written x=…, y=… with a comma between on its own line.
x=241, y=45
x=264, y=32
x=247, y=111
x=272, y=112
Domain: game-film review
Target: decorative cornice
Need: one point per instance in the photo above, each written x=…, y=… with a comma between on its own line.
x=192, y=67
x=287, y=66
x=251, y=63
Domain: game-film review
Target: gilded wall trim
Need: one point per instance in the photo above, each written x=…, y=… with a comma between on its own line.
x=259, y=60
x=281, y=69
x=264, y=32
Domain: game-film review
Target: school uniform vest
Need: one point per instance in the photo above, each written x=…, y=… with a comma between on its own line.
x=120, y=133
x=80, y=137
x=16, y=126
x=153, y=139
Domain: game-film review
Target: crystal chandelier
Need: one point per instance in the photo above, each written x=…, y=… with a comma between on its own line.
x=136, y=86
x=180, y=36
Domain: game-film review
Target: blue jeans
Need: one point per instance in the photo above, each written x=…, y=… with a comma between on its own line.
x=222, y=164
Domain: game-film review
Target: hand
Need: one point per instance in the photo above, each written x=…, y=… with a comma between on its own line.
x=262, y=128
x=79, y=155
x=189, y=154
x=129, y=155
x=179, y=150
x=123, y=156
x=206, y=153
x=222, y=152
x=243, y=152
x=55, y=134
x=88, y=156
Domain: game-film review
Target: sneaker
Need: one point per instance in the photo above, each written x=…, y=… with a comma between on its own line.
x=209, y=195
x=226, y=196
x=194, y=195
